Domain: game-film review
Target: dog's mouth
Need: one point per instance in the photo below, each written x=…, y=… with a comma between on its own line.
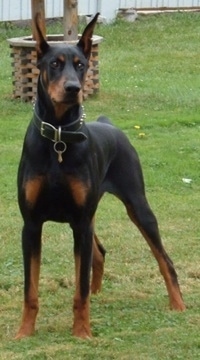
x=68, y=102
x=61, y=105
x=67, y=98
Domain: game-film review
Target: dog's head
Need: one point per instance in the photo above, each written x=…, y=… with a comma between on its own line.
x=63, y=67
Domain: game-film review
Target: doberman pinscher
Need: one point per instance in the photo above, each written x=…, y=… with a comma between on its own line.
x=66, y=166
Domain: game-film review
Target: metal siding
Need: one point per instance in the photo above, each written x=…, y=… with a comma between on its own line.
x=21, y=9
x=13, y=10
x=88, y=7
x=127, y=3
x=158, y=3
x=53, y=8
x=109, y=10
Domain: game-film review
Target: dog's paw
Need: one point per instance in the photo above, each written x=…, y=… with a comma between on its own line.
x=82, y=332
x=24, y=331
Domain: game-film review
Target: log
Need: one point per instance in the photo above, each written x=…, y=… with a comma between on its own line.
x=70, y=20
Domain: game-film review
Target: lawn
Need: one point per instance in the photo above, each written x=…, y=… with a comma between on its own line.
x=150, y=88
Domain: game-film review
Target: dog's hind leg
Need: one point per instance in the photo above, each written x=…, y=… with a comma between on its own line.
x=126, y=179
x=31, y=244
x=97, y=265
x=143, y=217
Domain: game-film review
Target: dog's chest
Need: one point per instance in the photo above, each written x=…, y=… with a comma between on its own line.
x=68, y=187
x=60, y=196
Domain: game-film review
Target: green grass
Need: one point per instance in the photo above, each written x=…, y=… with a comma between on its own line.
x=149, y=73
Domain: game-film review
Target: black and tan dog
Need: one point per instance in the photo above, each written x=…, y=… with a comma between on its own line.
x=66, y=167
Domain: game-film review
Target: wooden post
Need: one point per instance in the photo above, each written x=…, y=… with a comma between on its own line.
x=37, y=6
x=70, y=20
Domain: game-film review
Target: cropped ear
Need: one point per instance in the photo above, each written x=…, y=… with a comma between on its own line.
x=41, y=45
x=85, y=42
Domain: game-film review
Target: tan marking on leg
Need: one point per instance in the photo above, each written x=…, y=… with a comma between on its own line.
x=81, y=326
x=79, y=190
x=33, y=188
x=175, y=297
x=77, y=269
x=97, y=267
x=31, y=305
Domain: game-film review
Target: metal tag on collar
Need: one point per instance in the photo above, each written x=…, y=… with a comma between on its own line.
x=59, y=146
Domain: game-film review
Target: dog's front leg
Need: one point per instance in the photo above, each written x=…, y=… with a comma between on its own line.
x=31, y=245
x=83, y=256
x=97, y=265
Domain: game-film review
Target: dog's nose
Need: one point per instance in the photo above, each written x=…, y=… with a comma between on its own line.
x=72, y=87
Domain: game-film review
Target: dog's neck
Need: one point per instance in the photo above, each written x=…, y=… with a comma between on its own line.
x=71, y=120
x=62, y=131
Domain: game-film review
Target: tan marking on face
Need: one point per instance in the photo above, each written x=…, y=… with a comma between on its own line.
x=56, y=90
x=80, y=97
x=79, y=190
x=61, y=58
x=60, y=109
x=32, y=189
x=76, y=59
x=58, y=97
x=44, y=77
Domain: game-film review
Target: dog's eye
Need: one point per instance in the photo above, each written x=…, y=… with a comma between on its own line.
x=56, y=64
x=79, y=66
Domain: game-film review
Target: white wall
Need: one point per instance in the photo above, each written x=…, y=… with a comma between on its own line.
x=21, y=9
